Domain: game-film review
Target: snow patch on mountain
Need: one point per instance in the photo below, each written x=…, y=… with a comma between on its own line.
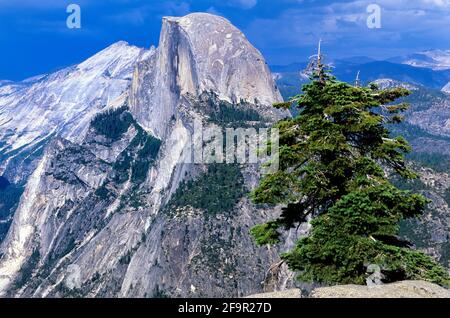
x=199, y=53
x=434, y=59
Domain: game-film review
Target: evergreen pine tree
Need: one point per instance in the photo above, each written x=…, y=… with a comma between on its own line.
x=335, y=158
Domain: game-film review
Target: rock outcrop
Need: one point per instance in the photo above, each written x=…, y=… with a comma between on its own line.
x=405, y=289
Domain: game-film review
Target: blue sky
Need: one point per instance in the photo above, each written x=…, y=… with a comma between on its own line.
x=34, y=37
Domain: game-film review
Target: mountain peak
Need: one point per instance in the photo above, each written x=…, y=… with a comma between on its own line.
x=118, y=53
x=199, y=53
x=225, y=61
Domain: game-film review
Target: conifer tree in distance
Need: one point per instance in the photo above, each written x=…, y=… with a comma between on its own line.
x=335, y=158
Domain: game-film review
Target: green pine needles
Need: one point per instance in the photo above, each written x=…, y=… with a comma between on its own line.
x=334, y=159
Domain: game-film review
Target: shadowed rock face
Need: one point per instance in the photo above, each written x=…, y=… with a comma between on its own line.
x=94, y=219
x=3, y=183
x=224, y=61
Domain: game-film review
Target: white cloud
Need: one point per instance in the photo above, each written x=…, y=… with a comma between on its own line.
x=244, y=4
x=439, y=3
x=342, y=25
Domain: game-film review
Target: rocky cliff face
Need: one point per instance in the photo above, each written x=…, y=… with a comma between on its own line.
x=35, y=111
x=114, y=209
x=200, y=53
